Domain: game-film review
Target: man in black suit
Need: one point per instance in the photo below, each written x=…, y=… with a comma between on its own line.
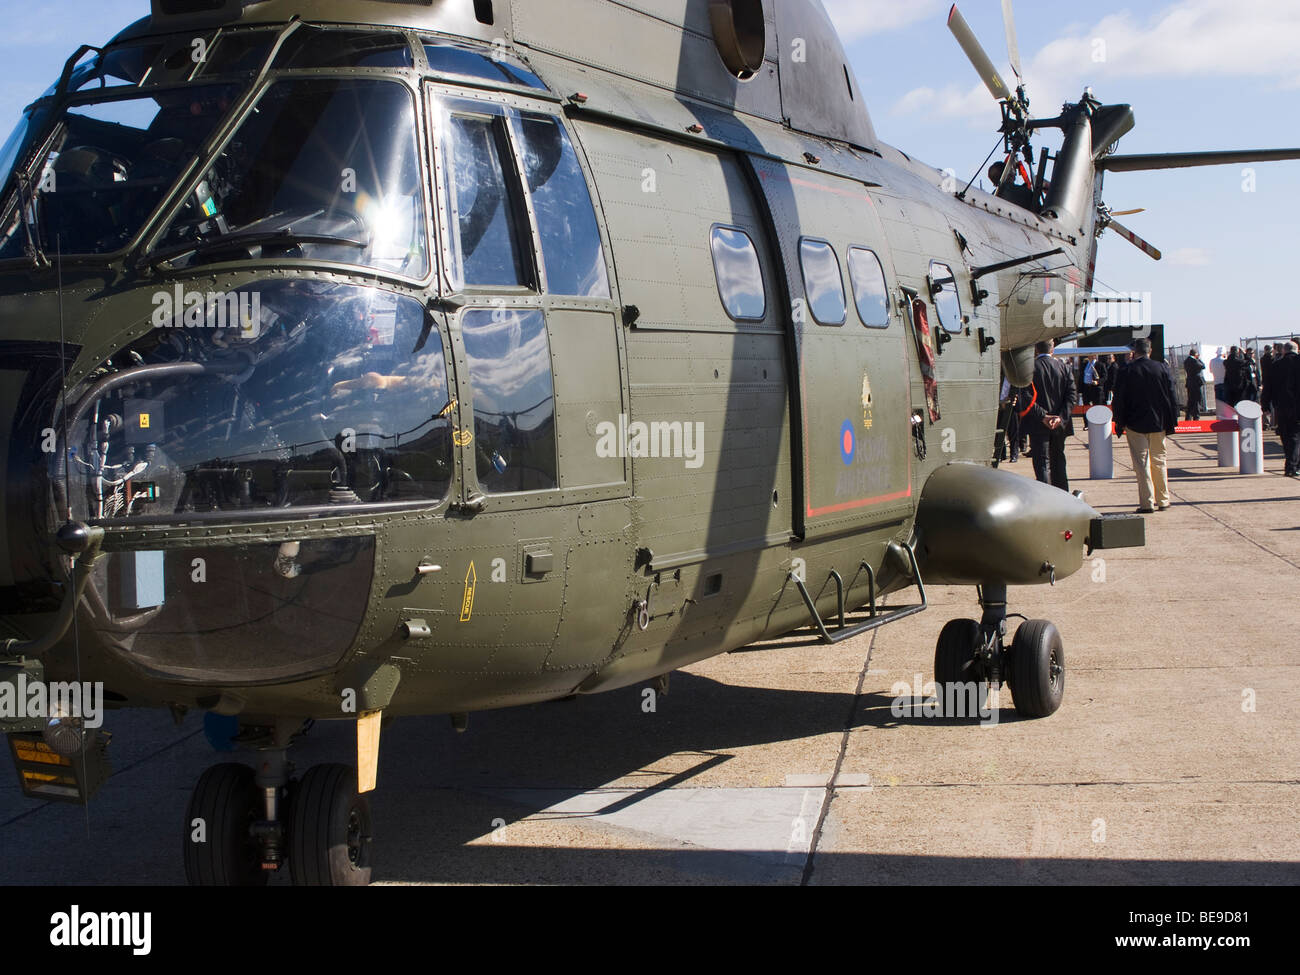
x=1192, y=368
x=1282, y=394
x=1100, y=370
x=1146, y=412
x=1050, y=420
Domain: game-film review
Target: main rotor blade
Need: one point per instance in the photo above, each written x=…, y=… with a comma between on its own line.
x=1125, y=213
x=1013, y=46
x=1183, y=160
x=983, y=66
x=1134, y=239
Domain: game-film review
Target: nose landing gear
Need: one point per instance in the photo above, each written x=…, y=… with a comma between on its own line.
x=330, y=833
x=974, y=653
x=243, y=825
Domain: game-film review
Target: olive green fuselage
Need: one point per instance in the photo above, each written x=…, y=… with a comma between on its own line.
x=696, y=459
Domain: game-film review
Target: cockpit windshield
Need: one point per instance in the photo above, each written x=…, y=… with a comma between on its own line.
x=108, y=164
x=283, y=394
x=324, y=167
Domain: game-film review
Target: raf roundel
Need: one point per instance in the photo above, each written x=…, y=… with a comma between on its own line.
x=847, y=442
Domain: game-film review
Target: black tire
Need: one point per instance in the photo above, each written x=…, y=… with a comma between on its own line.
x=330, y=831
x=220, y=851
x=954, y=664
x=1037, y=671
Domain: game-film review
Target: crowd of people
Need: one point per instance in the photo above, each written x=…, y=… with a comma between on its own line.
x=1140, y=392
x=1273, y=381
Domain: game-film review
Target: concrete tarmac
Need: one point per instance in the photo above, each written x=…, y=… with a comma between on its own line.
x=1172, y=761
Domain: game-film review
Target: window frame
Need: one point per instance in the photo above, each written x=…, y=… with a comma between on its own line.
x=884, y=280
x=224, y=135
x=803, y=275
x=441, y=110
x=514, y=122
x=717, y=280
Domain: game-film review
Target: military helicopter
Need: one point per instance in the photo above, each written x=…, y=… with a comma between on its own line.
x=365, y=359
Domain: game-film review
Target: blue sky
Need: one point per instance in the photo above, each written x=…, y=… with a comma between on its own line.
x=1200, y=74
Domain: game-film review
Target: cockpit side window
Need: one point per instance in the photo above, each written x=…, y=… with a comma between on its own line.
x=486, y=233
x=572, y=253
x=509, y=358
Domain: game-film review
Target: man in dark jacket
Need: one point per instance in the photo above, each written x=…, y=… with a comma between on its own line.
x=1234, y=377
x=1283, y=394
x=1192, y=368
x=1146, y=412
x=1249, y=376
x=1113, y=367
x=1265, y=370
x=1050, y=419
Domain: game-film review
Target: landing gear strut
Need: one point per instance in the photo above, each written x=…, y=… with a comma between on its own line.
x=970, y=652
x=242, y=824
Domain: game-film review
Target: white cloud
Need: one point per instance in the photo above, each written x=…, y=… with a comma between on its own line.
x=950, y=101
x=855, y=19
x=1190, y=257
x=1190, y=38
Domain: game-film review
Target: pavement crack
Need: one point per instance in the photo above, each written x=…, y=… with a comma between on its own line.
x=829, y=790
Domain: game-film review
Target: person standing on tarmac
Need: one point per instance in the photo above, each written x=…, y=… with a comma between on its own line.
x=1193, y=367
x=1234, y=377
x=1283, y=394
x=1146, y=413
x=1218, y=366
x=1249, y=376
x=1050, y=420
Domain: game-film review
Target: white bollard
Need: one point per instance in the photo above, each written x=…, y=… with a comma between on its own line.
x=1250, y=435
x=1101, y=443
x=1227, y=441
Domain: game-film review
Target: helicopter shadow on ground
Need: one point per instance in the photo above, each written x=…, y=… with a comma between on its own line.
x=441, y=795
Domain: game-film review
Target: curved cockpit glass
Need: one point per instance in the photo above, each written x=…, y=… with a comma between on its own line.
x=320, y=168
x=281, y=395
x=324, y=167
x=108, y=164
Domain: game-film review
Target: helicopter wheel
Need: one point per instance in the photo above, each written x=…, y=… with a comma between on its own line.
x=956, y=665
x=330, y=832
x=1036, y=675
x=220, y=850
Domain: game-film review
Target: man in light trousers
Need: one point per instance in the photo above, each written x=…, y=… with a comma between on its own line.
x=1146, y=412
